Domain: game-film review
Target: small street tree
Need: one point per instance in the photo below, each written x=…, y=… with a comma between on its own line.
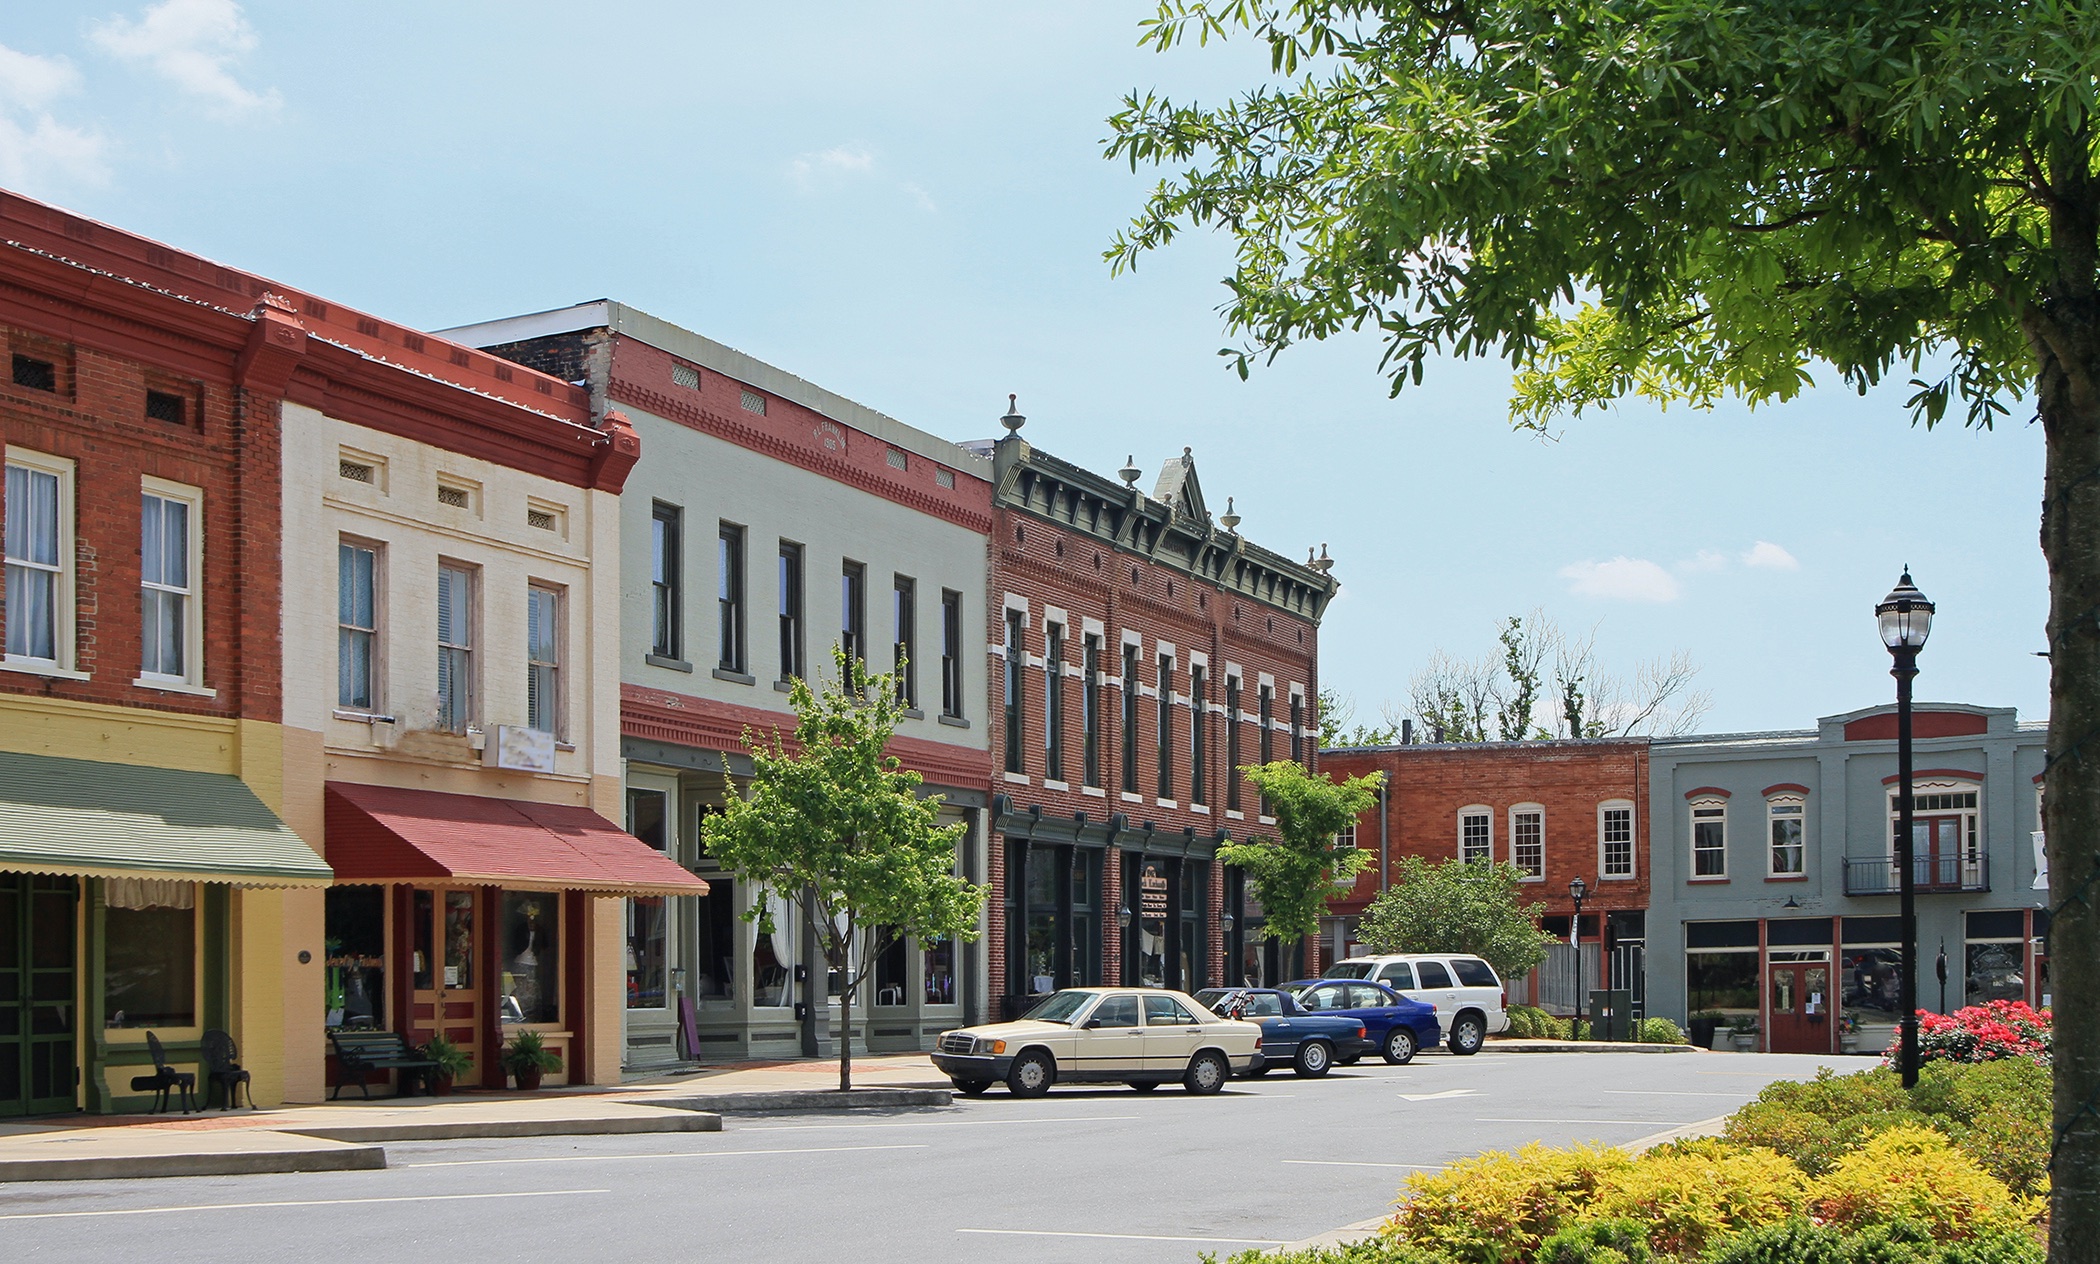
x=1296, y=873
x=835, y=822
x=1457, y=906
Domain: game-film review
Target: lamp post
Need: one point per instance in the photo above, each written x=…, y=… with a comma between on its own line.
x=1905, y=617
x=1577, y=890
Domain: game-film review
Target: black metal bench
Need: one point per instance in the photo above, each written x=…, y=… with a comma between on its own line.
x=360, y=1053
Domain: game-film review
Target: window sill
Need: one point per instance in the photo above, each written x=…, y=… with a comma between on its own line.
x=1132, y=798
x=38, y=667
x=733, y=677
x=363, y=717
x=168, y=684
x=1094, y=791
x=674, y=664
x=913, y=713
x=783, y=686
x=1204, y=808
x=1166, y=803
x=1056, y=785
x=1018, y=778
x=953, y=721
x=1615, y=877
x=1234, y=814
x=1721, y=877
x=1786, y=877
x=1265, y=820
x=1539, y=877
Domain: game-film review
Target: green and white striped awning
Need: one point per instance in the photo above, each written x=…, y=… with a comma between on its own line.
x=83, y=818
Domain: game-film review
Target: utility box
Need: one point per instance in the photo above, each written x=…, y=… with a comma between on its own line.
x=1611, y=1014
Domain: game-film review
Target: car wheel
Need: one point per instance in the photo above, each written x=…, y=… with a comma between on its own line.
x=1399, y=1046
x=972, y=1088
x=1032, y=1074
x=1207, y=1073
x=1314, y=1059
x=1467, y=1034
x=1144, y=1086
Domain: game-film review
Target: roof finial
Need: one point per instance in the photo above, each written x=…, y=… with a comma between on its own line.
x=1013, y=420
x=1326, y=563
x=1229, y=520
x=1130, y=471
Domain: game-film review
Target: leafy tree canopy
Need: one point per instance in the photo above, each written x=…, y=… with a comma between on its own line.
x=1295, y=873
x=1457, y=906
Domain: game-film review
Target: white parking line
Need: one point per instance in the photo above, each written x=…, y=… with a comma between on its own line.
x=1418, y=1167
x=1119, y=1237
x=304, y=1202
x=668, y=1154
x=1665, y=1092
x=944, y=1123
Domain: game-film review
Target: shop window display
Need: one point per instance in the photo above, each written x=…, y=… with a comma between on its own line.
x=150, y=945
x=356, y=957
x=1873, y=983
x=1723, y=981
x=716, y=938
x=531, y=957
x=773, y=954
x=648, y=928
x=939, y=960
x=889, y=973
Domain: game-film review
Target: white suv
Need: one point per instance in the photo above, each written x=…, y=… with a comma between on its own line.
x=1470, y=1003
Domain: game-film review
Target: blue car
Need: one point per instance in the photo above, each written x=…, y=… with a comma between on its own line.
x=1398, y=1025
x=1309, y=1043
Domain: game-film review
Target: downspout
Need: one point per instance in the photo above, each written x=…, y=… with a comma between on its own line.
x=1385, y=851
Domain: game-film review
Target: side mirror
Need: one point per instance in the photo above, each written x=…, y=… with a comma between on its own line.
x=1091, y=1024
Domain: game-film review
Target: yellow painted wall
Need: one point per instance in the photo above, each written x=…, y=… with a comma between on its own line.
x=608, y=989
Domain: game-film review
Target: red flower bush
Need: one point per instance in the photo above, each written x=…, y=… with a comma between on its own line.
x=1982, y=1033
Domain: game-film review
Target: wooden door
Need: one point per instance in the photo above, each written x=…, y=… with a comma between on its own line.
x=446, y=996
x=1799, y=1008
x=37, y=1013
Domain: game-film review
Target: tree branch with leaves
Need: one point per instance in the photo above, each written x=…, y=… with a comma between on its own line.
x=1298, y=871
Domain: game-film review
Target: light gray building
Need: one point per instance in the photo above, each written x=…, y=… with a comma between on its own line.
x=833, y=525
x=1774, y=892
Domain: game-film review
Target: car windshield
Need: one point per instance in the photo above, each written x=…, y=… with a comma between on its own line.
x=1351, y=969
x=1211, y=996
x=1059, y=1008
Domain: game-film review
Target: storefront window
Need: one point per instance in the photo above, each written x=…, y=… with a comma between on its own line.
x=1873, y=983
x=889, y=972
x=459, y=939
x=1195, y=954
x=647, y=927
x=773, y=954
x=1995, y=961
x=1723, y=981
x=531, y=957
x=421, y=973
x=1086, y=942
x=1152, y=909
x=939, y=959
x=150, y=944
x=1042, y=919
x=356, y=956
x=716, y=938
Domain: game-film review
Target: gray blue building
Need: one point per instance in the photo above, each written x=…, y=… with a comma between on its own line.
x=1774, y=888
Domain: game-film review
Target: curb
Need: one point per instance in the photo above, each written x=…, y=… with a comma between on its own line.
x=1581, y=1046
x=810, y=1101
x=687, y=1119
x=347, y=1158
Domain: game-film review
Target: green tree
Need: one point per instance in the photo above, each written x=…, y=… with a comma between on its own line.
x=834, y=822
x=1336, y=712
x=1690, y=200
x=1457, y=906
x=1295, y=873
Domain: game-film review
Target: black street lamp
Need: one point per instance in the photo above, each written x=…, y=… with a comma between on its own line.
x=1577, y=890
x=1905, y=617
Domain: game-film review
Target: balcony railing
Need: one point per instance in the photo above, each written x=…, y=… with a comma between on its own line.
x=1929, y=874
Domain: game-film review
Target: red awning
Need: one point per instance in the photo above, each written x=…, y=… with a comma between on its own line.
x=386, y=834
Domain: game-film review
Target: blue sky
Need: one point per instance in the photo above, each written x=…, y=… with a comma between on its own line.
x=910, y=208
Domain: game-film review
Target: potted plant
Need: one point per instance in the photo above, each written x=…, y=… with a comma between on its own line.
x=1848, y=1034
x=452, y=1062
x=1743, y=1032
x=528, y=1058
x=1703, y=1025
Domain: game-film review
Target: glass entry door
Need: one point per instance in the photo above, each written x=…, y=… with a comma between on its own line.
x=37, y=1014
x=446, y=996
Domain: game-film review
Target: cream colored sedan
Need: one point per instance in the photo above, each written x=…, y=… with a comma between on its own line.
x=1142, y=1037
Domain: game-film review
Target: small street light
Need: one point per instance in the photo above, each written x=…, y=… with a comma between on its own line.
x=1577, y=890
x=1905, y=617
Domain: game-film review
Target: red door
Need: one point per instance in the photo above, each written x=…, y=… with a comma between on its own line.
x=1799, y=996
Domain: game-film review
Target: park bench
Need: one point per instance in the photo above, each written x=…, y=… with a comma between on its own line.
x=359, y=1053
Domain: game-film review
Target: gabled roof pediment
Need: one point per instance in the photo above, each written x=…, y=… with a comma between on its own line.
x=1178, y=487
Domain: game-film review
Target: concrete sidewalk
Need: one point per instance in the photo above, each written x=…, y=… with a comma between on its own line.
x=341, y=1135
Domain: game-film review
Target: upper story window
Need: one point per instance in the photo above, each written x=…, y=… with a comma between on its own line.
x=791, y=662
x=666, y=580
x=1946, y=840
x=357, y=626
x=1232, y=743
x=951, y=654
x=1130, y=719
x=1709, y=838
x=543, y=702
x=853, y=615
x=1265, y=703
x=456, y=692
x=904, y=638
x=1054, y=701
x=1787, y=818
x=1615, y=839
x=35, y=374
x=167, y=579
x=1476, y=834
x=1527, y=840
x=1297, y=728
x=729, y=597
x=1090, y=687
x=1198, y=722
x=37, y=537
x=1166, y=726
x=1016, y=656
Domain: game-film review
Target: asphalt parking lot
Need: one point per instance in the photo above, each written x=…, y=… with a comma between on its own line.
x=1091, y=1173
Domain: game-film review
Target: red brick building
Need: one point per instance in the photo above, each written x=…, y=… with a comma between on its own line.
x=1140, y=652
x=1557, y=810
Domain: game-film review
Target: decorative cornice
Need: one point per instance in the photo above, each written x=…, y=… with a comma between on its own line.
x=709, y=422
x=1936, y=774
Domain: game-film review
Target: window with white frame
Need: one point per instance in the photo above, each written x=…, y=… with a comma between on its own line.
x=37, y=538
x=1946, y=841
x=543, y=659
x=455, y=687
x=1476, y=834
x=357, y=626
x=1527, y=840
x=1787, y=815
x=1615, y=839
x=168, y=610
x=1709, y=838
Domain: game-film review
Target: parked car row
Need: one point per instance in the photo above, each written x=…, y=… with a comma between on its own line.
x=1144, y=1037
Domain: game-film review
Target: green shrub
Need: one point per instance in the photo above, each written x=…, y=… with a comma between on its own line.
x=1377, y=1250
x=1495, y=1208
x=1661, y=1031
x=1529, y=1022
x=1692, y=1195
x=1914, y=1173
x=1998, y=1113
x=1816, y=1122
x=1902, y=1242
x=1598, y=1242
x=1794, y=1241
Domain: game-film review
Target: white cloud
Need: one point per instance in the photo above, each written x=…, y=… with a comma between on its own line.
x=831, y=168
x=1768, y=556
x=1704, y=560
x=1621, y=579
x=33, y=144
x=191, y=43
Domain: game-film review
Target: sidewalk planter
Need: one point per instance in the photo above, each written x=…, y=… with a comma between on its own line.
x=1743, y=1041
x=528, y=1060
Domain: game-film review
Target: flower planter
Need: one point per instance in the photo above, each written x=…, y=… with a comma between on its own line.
x=528, y=1078
x=1743, y=1041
